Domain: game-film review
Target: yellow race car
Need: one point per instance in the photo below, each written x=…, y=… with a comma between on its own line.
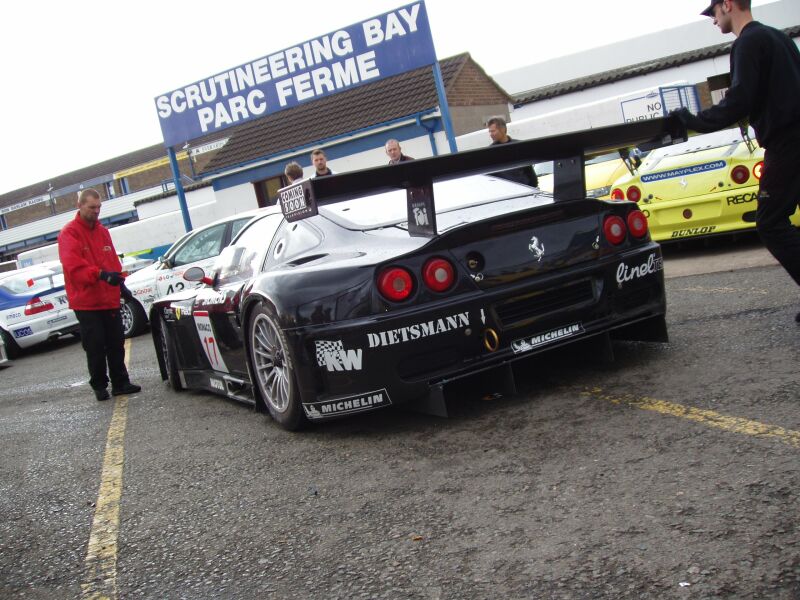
x=600, y=173
x=705, y=186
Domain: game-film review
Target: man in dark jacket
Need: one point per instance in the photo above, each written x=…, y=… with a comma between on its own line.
x=92, y=279
x=394, y=152
x=765, y=87
x=320, y=162
x=499, y=134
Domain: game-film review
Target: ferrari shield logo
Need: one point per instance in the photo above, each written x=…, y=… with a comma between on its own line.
x=537, y=248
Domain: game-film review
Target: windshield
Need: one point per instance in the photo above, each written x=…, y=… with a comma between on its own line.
x=244, y=257
x=25, y=283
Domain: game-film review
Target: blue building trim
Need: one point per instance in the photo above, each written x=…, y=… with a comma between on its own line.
x=53, y=235
x=333, y=151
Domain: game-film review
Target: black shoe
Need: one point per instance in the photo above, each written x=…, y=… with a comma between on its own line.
x=797, y=318
x=126, y=388
x=101, y=394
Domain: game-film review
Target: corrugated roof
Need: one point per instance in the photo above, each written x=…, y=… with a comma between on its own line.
x=365, y=106
x=637, y=70
x=100, y=169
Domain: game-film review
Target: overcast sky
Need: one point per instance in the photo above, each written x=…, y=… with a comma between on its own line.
x=80, y=77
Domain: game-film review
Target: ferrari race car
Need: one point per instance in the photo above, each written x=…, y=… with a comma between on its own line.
x=365, y=293
x=705, y=186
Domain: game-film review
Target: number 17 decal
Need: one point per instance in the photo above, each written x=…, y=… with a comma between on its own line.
x=208, y=341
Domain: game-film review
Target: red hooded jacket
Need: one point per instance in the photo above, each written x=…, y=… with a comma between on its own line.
x=84, y=252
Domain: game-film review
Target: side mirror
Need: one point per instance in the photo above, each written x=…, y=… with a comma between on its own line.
x=166, y=262
x=197, y=274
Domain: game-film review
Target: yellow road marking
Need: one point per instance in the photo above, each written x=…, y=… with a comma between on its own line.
x=100, y=573
x=706, y=417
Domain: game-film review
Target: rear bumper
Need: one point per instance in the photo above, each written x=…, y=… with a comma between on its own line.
x=42, y=330
x=398, y=357
x=725, y=211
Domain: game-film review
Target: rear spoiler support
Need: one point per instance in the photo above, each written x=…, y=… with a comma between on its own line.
x=568, y=151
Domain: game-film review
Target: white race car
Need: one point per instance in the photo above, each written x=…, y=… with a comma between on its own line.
x=33, y=307
x=199, y=247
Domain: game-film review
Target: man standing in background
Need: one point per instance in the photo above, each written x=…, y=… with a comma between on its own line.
x=394, y=153
x=499, y=134
x=320, y=163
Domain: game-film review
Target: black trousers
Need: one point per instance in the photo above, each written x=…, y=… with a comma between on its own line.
x=104, y=342
x=778, y=198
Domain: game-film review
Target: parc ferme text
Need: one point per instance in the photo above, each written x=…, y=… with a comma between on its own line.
x=233, y=96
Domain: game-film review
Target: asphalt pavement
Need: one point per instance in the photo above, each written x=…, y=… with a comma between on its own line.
x=671, y=472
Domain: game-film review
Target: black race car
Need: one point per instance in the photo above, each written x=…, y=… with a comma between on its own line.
x=364, y=292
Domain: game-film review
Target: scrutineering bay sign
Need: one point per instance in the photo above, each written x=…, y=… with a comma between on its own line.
x=379, y=47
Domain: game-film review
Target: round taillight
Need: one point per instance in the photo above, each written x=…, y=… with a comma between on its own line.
x=438, y=274
x=740, y=174
x=395, y=284
x=614, y=229
x=687, y=213
x=617, y=194
x=757, y=169
x=637, y=224
x=634, y=194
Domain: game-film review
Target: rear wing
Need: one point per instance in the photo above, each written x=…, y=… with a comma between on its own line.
x=568, y=151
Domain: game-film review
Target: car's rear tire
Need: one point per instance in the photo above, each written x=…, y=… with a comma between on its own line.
x=12, y=348
x=169, y=357
x=273, y=369
x=133, y=318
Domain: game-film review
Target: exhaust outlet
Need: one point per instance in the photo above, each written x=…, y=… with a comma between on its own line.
x=491, y=341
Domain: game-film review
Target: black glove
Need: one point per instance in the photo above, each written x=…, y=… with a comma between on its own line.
x=682, y=115
x=112, y=277
x=126, y=294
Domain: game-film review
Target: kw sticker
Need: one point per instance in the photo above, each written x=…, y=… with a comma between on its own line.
x=334, y=357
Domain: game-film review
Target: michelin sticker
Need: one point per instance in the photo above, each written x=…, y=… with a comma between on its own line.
x=548, y=337
x=349, y=405
x=625, y=273
x=334, y=357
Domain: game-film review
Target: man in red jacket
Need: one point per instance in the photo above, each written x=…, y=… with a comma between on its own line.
x=93, y=280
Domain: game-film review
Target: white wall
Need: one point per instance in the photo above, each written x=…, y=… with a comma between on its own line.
x=692, y=36
x=692, y=73
x=170, y=203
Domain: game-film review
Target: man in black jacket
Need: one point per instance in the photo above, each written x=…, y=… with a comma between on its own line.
x=765, y=87
x=498, y=131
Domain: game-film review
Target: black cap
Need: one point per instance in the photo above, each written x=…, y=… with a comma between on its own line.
x=709, y=12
